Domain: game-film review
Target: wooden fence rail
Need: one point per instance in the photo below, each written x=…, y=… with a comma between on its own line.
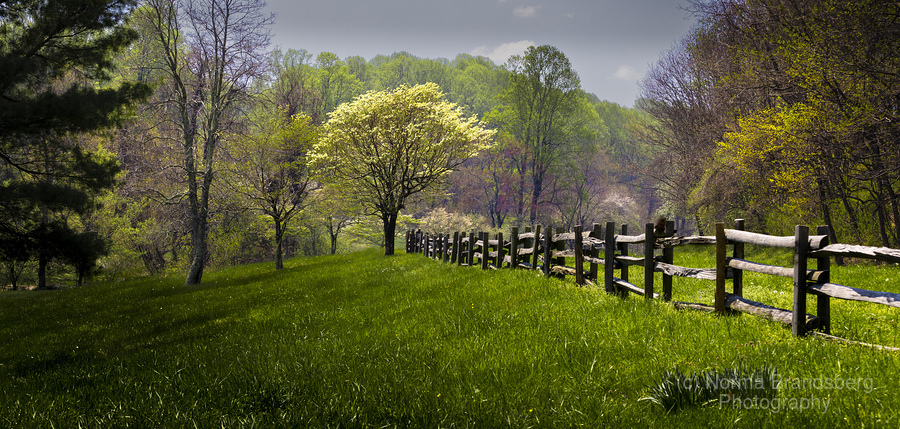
x=539, y=249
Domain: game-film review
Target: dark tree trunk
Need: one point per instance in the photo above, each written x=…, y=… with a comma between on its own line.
x=198, y=253
x=279, y=235
x=895, y=211
x=520, y=210
x=390, y=228
x=826, y=216
x=538, y=185
x=42, y=271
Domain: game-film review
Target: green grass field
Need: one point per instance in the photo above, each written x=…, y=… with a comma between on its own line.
x=361, y=340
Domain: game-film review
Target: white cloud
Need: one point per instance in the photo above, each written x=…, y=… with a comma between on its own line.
x=626, y=72
x=501, y=53
x=525, y=11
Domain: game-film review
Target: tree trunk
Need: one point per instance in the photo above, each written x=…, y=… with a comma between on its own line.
x=279, y=235
x=895, y=210
x=390, y=227
x=199, y=224
x=826, y=216
x=538, y=184
x=882, y=228
x=520, y=194
x=334, y=237
x=42, y=271
x=851, y=215
x=198, y=252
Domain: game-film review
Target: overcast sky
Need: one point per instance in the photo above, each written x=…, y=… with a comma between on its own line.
x=609, y=42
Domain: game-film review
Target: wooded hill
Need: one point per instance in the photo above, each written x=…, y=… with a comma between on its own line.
x=777, y=112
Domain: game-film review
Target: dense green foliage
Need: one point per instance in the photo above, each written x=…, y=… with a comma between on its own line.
x=782, y=112
x=362, y=340
x=776, y=112
x=51, y=53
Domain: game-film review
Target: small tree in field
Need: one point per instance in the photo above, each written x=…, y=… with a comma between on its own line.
x=268, y=169
x=386, y=146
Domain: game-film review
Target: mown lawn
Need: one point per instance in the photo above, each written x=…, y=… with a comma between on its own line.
x=361, y=340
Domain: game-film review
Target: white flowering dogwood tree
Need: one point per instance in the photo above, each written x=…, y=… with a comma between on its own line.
x=385, y=146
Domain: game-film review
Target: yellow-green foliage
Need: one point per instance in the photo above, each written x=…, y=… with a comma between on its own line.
x=774, y=151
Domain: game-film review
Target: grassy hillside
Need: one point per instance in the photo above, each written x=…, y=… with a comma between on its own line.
x=362, y=340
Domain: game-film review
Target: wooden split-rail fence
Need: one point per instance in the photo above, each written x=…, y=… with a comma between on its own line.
x=539, y=249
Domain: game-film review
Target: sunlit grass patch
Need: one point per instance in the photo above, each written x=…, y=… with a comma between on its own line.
x=363, y=340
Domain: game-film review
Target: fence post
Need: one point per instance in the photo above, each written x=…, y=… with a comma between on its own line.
x=436, y=252
x=560, y=247
x=425, y=246
x=500, y=249
x=649, y=262
x=823, y=302
x=470, y=257
x=454, y=251
x=548, y=250
x=463, y=245
x=579, y=256
x=445, y=252
x=721, y=266
x=485, y=249
x=609, y=250
x=669, y=258
x=738, y=275
x=801, y=250
x=536, y=246
x=408, y=241
x=597, y=233
x=514, y=248
x=527, y=244
x=623, y=250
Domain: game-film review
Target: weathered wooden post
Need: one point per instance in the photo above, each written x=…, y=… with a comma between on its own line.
x=426, y=245
x=823, y=302
x=609, y=250
x=454, y=251
x=560, y=247
x=436, y=252
x=721, y=266
x=623, y=250
x=526, y=244
x=447, y=248
x=801, y=251
x=485, y=250
x=500, y=249
x=579, y=256
x=535, y=247
x=470, y=257
x=548, y=250
x=435, y=242
x=669, y=258
x=649, y=262
x=597, y=233
x=514, y=248
x=738, y=275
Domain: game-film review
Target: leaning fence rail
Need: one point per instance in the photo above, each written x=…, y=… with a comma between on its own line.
x=541, y=249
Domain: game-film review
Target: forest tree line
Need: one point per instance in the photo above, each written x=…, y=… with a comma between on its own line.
x=780, y=112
